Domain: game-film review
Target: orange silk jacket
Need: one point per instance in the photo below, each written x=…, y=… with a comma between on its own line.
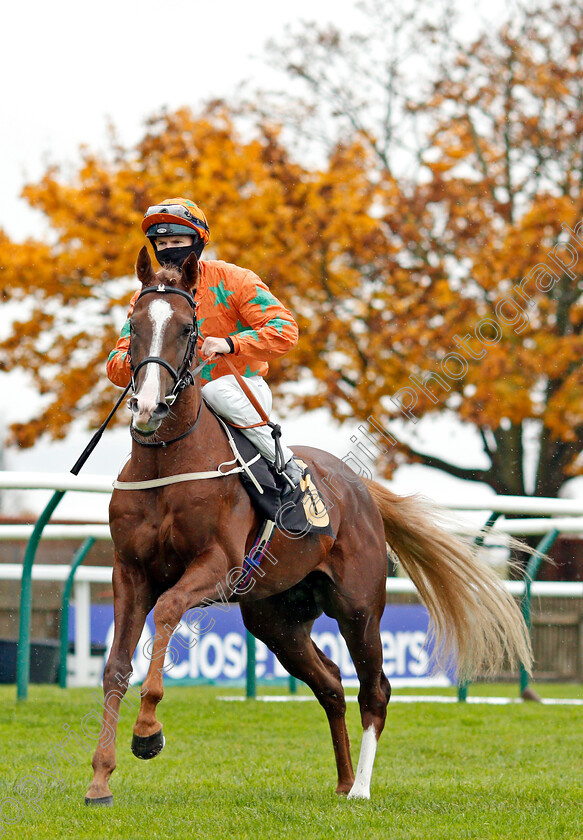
x=233, y=302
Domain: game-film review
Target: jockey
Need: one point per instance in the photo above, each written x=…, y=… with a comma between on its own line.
x=237, y=315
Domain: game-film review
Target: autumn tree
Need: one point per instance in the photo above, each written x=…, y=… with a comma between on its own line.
x=470, y=301
x=266, y=212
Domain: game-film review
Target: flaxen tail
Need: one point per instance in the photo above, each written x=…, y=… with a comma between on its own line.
x=476, y=623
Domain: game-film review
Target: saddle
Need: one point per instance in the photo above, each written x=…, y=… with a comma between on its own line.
x=301, y=512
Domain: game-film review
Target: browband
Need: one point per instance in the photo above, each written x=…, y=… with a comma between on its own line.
x=170, y=290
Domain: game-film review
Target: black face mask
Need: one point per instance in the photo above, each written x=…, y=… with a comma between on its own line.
x=176, y=256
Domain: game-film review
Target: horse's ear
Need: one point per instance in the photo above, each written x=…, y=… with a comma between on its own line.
x=145, y=273
x=190, y=273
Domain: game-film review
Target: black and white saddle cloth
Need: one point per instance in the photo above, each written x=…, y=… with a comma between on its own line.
x=301, y=512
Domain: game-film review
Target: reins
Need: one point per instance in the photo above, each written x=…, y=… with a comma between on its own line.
x=97, y=436
x=279, y=463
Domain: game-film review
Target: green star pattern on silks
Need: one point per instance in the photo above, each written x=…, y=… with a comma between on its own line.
x=251, y=333
x=245, y=331
x=264, y=298
x=249, y=372
x=279, y=324
x=221, y=294
x=206, y=372
x=125, y=330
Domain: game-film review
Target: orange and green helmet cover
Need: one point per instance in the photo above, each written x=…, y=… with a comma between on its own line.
x=175, y=216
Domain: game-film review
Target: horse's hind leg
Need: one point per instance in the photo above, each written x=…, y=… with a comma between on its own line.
x=284, y=625
x=361, y=633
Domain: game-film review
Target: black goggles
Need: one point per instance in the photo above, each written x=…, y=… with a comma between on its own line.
x=175, y=210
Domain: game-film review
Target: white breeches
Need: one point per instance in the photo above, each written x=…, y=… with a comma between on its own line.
x=226, y=397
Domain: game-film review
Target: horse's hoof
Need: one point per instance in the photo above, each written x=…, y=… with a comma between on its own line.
x=102, y=800
x=148, y=747
x=343, y=790
x=359, y=792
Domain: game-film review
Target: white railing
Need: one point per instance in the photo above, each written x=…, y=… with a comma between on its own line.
x=566, y=516
x=518, y=505
x=55, y=481
x=82, y=668
x=56, y=532
x=103, y=484
x=85, y=670
x=544, y=589
x=570, y=525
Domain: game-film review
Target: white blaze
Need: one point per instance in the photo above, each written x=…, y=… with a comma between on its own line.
x=149, y=394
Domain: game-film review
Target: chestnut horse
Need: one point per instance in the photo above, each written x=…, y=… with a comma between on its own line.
x=179, y=544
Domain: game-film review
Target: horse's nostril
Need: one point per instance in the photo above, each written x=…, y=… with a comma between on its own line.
x=160, y=411
x=133, y=405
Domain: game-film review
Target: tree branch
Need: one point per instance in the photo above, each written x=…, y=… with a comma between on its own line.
x=466, y=473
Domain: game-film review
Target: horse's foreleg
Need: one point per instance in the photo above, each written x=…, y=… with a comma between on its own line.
x=132, y=602
x=197, y=584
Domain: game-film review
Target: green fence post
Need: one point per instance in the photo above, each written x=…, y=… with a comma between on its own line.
x=462, y=692
x=462, y=689
x=530, y=573
x=251, y=679
x=78, y=558
x=23, y=652
x=293, y=685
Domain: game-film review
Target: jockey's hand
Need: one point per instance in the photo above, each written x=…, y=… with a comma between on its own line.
x=214, y=345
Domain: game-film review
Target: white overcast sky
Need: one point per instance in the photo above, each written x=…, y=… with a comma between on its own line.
x=67, y=68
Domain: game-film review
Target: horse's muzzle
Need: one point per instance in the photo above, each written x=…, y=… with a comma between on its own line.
x=144, y=419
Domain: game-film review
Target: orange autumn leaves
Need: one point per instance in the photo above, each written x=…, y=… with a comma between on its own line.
x=293, y=226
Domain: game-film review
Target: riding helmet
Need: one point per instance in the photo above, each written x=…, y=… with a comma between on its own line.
x=177, y=216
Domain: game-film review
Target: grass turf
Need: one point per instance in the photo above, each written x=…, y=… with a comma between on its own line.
x=262, y=770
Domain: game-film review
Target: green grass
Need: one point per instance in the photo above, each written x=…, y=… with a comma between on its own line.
x=262, y=770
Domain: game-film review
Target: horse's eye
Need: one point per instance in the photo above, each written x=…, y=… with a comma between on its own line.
x=187, y=330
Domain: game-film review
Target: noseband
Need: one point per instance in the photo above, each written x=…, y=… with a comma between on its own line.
x=183, y=377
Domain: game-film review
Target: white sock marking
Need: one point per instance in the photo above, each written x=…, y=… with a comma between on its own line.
x=361, y=787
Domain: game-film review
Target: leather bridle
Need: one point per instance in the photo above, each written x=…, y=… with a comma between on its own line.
x=184, y=376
